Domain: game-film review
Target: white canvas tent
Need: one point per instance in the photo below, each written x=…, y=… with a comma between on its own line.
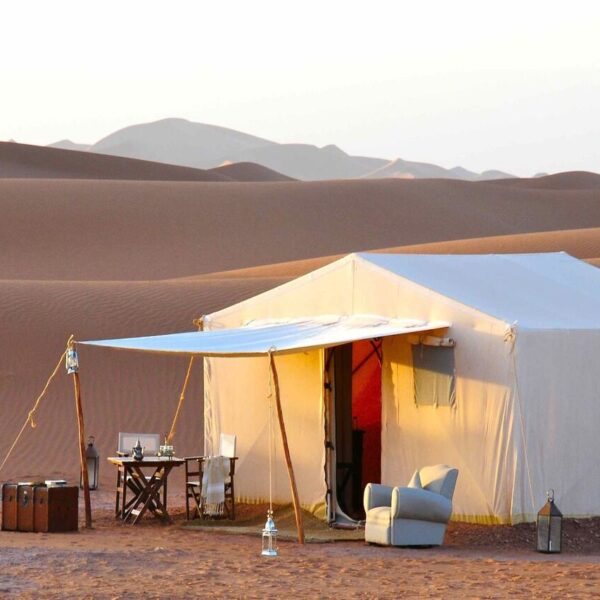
x=526, y=330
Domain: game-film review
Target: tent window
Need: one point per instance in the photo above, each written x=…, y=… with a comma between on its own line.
x=434, y=376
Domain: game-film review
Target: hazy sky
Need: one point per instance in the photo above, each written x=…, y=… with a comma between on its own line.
x=507, y=85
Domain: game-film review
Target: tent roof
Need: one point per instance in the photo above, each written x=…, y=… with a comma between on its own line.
x=280, y=336
x=539, y=291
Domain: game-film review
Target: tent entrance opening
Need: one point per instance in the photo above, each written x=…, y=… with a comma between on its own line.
x=357, y=436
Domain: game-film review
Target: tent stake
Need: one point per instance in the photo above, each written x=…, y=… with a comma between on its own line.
x=84, y=471
x=286, y=450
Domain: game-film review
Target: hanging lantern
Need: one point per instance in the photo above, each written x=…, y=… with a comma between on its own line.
x=549, y=526
x=92, y=461
x=269, y=537
x=72, y=361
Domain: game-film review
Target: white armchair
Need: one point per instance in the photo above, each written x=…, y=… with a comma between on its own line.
x=416, y=515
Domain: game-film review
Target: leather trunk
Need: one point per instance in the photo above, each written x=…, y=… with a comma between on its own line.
x=56, y=509
x=9, y=507
x=25, y=507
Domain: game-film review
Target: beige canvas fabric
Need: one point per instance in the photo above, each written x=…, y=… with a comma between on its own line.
x=525, y=397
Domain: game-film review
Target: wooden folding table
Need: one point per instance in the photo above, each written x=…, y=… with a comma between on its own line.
x=145, y=486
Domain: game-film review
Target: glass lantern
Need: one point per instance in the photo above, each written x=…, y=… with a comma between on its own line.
x=269, y=537
x=71, y=361
x=549, y=527
x=92, y=461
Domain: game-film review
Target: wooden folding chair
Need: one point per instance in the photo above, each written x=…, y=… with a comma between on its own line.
x=194, y=470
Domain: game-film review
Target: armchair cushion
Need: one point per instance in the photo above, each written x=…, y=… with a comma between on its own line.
x=440, y=479
x=419, y=504
x=415, y=481
x=376, y=495
x=380, y=516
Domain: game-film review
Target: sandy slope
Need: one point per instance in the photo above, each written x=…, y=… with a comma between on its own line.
x=572, y=180
x=121, y=391
x=126, y=230
x=247, y=171
x=26, y=161
x=60, y=239
x=581, y=243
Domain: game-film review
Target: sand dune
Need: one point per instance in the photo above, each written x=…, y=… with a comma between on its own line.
x=572, y=180
x=420, y=170
x=126, y=230
x=25, y=161
x=247, y=171
x=121, y=391
x=93, y=258
x=581, y=243
x=70, y=145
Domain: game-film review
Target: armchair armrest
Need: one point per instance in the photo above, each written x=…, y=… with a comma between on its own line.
x=194, y=457
x=377, y=495
x=420, y=505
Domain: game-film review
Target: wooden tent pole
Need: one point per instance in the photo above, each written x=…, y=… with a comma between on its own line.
x=84, y=471
x=286, y=450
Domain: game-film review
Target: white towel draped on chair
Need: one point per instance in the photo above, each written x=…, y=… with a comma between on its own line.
x=216, y=469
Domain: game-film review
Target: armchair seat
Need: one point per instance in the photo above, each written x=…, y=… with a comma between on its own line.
x=380, y=516
x=415, y=515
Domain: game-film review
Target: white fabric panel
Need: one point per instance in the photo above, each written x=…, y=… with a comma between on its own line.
x=237, y=400
x=560, y=398
x=261, y=336
x=475, y=436
x=540, y=291
x=547, y=380
x=326, y=291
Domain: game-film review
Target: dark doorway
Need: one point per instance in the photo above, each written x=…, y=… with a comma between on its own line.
x=357, y=372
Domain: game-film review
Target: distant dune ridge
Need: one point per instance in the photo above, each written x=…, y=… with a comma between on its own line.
x=247, y=171
x=104, y=258
x=35, y=162
x=198, y=145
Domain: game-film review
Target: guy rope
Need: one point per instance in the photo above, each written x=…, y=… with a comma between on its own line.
x=200, y=324
x=29, y=420
x=72, y=369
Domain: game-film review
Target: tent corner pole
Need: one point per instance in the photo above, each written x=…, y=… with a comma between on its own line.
x=84, y=472
x=286, y=450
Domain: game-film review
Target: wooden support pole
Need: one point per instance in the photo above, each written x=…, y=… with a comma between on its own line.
x=84, y=471
x=286, y=450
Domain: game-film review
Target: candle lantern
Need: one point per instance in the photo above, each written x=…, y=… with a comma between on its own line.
x=92, y=461
x=269, y=537
x=549, y=526
x=72, y=361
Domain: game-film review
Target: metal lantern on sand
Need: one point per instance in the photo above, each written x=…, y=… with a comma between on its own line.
x=549, y=526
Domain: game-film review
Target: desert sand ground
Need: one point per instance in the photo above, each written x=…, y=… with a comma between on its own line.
x=113, y=258
x=151, y=560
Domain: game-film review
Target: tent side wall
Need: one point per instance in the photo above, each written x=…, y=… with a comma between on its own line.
x=477, y=434
x=559, y=396
x=238, y=400
x=236, y=390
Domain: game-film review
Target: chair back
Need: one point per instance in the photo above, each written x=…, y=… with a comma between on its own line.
x=227, y=445
x=149, y=441
x=440, y=479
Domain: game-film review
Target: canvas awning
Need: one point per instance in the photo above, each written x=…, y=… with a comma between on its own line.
x=280, y=336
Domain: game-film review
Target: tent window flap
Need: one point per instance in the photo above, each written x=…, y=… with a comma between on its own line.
x=434, y=375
